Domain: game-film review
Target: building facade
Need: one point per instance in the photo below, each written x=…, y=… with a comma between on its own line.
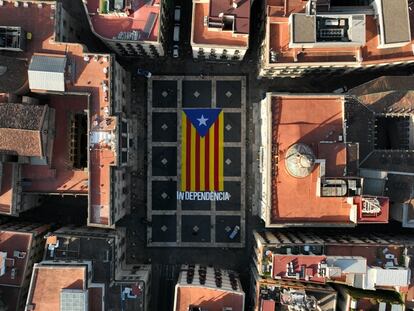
x=21, y=247
x=361, y=262
x=98, y=258
x=305, y=158
x=348, y=157
x=314, y=36
x=94, y=152
x=220, y=29
x=207, y=288
x=128, y=28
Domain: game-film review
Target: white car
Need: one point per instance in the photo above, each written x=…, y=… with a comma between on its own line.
x=233, y=234
x=175, y=51
x=177, y=13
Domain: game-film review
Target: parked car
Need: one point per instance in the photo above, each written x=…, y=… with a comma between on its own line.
x=175, y=51
x=176, y=35
x=177, y=13
x=233, y=234
x=342, y=89
x=144, y=73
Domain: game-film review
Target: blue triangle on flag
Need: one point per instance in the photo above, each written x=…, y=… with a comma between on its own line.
x=202, y=118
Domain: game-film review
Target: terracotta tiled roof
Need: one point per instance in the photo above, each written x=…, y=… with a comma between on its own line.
x=13, y=74
x=21, y=116
x=20, y=134
x=20, y=142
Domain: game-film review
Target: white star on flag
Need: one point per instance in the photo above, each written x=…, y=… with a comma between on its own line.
x=202, y=121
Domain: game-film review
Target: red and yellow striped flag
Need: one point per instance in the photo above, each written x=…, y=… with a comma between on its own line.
x=202, y=148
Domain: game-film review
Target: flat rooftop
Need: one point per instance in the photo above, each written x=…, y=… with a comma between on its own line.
x=208, y=298
x=49, y=281
x=310, y=264
x=374, y=254
x=396, y=30
x=87, y=79
x=142, y=17
x=81, y=248
x=308, y=120
x=15, y=244
x=238, y=36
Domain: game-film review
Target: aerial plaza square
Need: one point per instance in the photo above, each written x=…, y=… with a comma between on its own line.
x=196, y=161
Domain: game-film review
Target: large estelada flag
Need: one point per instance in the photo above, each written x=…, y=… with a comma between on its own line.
x=202, y=150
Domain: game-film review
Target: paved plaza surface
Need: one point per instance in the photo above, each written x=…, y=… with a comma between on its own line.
x=193, y=222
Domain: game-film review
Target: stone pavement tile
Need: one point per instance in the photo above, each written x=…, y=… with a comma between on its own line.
x=164, y=126
x=164, y=161
x=196, y=205
x=164, y=94
x=195, y=228
x=228, y=94
x=164, y=195
x=232, y=164
x=196, y=94
x=232, y=127
x=233, y=187
x=163, y=228
x=224, y=227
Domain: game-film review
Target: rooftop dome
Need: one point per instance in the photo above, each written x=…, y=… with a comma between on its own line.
x=299, y=160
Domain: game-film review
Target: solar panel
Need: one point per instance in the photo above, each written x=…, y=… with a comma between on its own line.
x=73, y=300
x=149, y=25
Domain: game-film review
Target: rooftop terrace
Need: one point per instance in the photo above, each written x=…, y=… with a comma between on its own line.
x=208, y=298
x=308, y=265
x=14, y=249
x=99, y=250
x=310, y=121
x=48, y=282
x=140, y=20
x=315, y=188
x=374, y=49
x=218, y=31
x=89, y=77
